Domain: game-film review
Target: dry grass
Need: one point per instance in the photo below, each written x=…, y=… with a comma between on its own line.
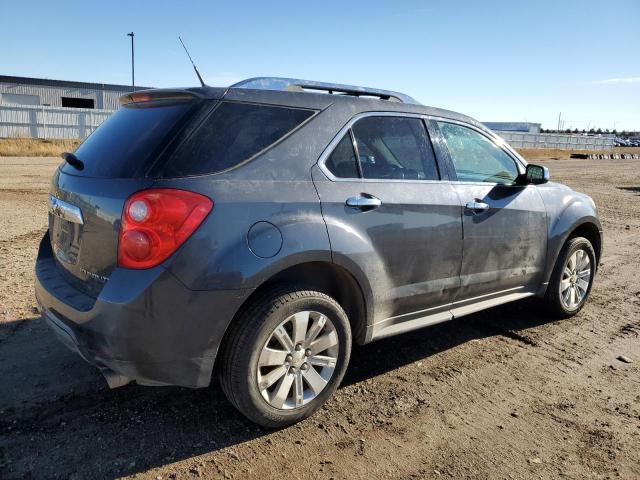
x=35, y=147
x=533, y=154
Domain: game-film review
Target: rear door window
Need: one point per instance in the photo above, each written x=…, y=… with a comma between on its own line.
x=395, y=148
x=128, y=142
x=232, y=134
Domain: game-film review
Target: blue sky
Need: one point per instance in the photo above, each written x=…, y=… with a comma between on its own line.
x=496, y=61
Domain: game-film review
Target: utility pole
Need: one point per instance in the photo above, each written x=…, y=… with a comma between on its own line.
x=133, y=71
x=559, y=117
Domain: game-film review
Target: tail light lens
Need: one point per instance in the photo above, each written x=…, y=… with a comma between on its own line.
x=156, y=222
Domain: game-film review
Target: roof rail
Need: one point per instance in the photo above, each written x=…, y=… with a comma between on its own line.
x=298, y=85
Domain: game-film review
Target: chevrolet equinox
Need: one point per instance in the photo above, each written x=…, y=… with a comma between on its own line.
x=255, y=232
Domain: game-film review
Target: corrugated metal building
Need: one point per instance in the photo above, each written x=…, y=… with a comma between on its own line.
x=42, y=108
x=60, y=93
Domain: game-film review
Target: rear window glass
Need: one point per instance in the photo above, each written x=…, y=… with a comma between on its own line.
x=231, y=134
x=128, y=141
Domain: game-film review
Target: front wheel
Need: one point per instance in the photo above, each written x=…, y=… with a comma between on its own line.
x=285, y=355
x=572, y=278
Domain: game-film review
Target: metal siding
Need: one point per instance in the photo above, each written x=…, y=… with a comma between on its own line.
x=49, y=122
x=52, y=95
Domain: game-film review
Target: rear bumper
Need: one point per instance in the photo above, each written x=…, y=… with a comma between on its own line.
x=145, y=325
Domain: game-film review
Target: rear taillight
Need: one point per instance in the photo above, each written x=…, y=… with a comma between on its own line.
x=156, y=222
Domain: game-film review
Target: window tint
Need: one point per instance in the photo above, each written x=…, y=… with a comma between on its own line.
x=395, y=148
x=476, y=158
x=342, y=161
x=128, y=141
x=232, y=133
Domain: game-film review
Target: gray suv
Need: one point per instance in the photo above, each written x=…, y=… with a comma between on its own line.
x=257, y=231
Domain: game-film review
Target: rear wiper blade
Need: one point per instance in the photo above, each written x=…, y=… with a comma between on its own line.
x=72, y=160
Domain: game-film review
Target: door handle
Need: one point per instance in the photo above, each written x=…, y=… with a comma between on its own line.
x=363, y=202
x=477, y=206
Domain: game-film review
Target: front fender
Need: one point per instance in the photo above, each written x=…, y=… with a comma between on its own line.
x=567, y=211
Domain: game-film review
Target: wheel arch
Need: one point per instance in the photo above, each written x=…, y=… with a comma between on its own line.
x=327, y=277
x=587, y=227
x=591, y=232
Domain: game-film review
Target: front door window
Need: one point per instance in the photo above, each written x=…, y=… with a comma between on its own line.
x=476, y=158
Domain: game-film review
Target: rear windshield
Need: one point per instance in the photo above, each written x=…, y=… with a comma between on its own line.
x=231, y=134
x=128, y=141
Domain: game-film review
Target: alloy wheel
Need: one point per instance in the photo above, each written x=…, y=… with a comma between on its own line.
x=298, y=360
x=576, y=277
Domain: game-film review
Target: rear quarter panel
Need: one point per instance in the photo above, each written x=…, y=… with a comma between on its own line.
x=218, y=254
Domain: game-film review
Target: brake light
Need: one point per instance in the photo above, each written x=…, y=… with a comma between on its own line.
x=145, y=96
x=156, y=222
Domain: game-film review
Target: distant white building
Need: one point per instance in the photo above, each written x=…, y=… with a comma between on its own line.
x=60, y=93
x=521, y=127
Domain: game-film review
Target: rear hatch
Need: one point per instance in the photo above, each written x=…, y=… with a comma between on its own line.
x=85, y=204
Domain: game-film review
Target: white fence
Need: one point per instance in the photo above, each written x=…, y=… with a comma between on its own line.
x=555, y=140
x=25, y=121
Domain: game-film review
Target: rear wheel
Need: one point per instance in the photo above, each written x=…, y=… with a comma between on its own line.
x=285, y=355
x=572, y=278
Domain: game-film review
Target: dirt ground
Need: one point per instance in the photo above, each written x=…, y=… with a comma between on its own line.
x=505, y=393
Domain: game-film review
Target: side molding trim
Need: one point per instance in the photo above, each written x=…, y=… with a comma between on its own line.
x=424, y=318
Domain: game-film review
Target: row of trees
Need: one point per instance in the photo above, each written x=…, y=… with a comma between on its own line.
x=594, y=131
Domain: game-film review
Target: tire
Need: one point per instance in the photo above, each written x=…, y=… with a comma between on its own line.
x=555, y=302
x=259, y=328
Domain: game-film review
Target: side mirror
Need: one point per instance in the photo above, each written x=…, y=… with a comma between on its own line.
x=536, y=174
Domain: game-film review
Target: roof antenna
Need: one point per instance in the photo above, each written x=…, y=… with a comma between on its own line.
x=191, y=60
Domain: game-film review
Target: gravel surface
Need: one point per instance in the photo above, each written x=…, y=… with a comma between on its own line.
x=505, y=393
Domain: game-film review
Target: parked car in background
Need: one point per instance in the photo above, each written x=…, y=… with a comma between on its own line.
x=255, y=232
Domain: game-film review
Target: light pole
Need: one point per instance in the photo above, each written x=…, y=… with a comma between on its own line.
x=133, y=71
